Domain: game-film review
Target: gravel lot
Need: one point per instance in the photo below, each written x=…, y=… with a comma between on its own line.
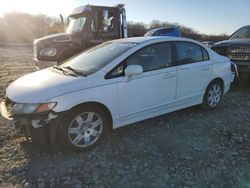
x=187, y=148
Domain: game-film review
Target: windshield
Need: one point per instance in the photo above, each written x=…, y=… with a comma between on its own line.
x=95, y=58
x=241, y=33
x=76, y=24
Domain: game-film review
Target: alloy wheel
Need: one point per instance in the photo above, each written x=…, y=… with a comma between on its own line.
x=214, y=95
x=85, y=129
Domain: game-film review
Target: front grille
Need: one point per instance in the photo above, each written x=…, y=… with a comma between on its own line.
x=221, y=50
x=239, y=50
x=35, y=49
x=239, y=53
x=240, y=57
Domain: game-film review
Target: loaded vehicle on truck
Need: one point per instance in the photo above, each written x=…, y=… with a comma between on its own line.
x=237, y=48
x=88, y=26
x=165, y=31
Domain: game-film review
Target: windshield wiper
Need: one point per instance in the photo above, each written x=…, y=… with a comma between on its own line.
x=75, y=71
x=62, y=70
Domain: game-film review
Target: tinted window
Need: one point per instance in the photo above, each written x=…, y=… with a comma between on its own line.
x=187, y=52
x=153, y=57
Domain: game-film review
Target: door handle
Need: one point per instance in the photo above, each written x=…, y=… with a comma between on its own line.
x=204, y=68
x=170, y=75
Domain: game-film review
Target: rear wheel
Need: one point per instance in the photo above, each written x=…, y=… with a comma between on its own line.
x=85, y=127
x=213, y=95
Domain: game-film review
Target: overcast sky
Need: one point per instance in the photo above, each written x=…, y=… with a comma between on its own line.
x=209, y=17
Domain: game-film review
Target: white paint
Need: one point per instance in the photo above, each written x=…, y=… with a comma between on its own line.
x=129, y=100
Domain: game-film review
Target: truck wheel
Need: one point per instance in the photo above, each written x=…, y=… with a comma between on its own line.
x=85, y=127
x=213, y=95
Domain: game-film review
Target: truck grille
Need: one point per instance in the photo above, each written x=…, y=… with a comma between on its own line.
x=239, y=53
x=35, y=50
x=239, y=50
x=234, y=53
x=239, y=57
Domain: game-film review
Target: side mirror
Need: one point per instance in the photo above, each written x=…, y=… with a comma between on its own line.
x=133, y=70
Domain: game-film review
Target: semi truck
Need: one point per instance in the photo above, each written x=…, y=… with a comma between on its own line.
x=88, y=26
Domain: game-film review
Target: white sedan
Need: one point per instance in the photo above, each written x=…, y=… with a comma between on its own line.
x=115, y=84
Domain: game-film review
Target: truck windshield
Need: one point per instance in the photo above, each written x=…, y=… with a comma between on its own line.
x=95, y=58
x=76, y=24
x=241, y=33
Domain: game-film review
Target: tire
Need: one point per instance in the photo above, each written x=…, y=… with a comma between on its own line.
x=213, y=95
x=85, y=127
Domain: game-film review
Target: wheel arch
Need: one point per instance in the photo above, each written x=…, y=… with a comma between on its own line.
x=204, y=100
x=217, y=79
x=99, y=105
x=55, y=130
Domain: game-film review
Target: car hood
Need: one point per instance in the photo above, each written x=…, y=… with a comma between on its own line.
x=233, y=42
x=59, y=36
x=43, y=85
x=58, y=39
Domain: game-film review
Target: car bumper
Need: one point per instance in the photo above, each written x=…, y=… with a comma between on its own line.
x=39, y=128
x=235, y=71
x=44, y=64
x=243, y=67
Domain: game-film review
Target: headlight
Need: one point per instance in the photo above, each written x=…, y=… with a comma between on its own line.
x=48, y=52
x=31, y=108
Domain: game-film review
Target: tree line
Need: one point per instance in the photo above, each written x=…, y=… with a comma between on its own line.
x=18, y=27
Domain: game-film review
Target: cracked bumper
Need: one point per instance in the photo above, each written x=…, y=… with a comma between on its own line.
x=41, y=128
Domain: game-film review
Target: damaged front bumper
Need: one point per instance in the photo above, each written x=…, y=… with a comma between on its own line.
x=40, y=128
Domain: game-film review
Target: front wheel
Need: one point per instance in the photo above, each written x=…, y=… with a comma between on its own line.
x=213, y=95
x=84, y=127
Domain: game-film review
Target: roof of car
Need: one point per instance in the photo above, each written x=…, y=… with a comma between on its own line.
x=155, y=38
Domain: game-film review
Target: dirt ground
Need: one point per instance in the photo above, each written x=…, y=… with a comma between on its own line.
x=187, y=148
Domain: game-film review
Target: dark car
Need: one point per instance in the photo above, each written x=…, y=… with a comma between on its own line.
x=237, y=48
x=166, y=31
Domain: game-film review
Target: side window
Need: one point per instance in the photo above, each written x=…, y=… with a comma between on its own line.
x=153, y=57
x=187, y=52
x=205, y=55
x=103, y=21
x=117, y=72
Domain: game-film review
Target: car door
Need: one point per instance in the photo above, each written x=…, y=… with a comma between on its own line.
x=194, y=70
x=152, y=91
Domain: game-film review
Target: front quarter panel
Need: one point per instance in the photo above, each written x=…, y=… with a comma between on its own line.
x=105, y=94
